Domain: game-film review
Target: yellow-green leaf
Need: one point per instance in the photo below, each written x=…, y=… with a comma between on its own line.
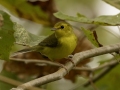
x=90, y=36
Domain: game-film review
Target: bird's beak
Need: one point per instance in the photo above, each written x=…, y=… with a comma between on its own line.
x=54, y=29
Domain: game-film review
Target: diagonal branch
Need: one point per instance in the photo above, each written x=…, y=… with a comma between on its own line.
x=101, y=74
x=15, y=83
x=78, y=57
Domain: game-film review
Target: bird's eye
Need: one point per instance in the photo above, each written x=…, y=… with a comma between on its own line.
x=62, y=27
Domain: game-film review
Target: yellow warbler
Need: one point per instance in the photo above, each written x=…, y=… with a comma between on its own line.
x=58, y=45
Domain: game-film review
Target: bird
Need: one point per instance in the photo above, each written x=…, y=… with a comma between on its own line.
x=58, y=45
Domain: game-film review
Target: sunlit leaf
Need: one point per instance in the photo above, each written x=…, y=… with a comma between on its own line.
x=25, y=38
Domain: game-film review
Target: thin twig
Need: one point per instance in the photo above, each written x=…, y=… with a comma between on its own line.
x=101, y=74
x=57, y=64
x=35, y=61
x=78, y=57
x=15, y=83
x=107, y=64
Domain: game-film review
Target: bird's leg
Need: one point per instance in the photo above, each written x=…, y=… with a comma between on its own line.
x=70, y=59
x=70, y=56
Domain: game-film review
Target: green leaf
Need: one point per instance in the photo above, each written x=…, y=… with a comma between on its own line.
x=90, y=36
x=105, y=20
x=80, y=17
x=25, y=38
x=115, y=3
x=6, y=35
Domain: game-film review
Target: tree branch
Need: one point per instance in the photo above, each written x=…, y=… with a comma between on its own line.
x=78, y=57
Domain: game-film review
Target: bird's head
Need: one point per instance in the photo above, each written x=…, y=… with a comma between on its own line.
x=62, y=29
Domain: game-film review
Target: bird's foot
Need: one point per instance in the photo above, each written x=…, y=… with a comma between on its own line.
x=70, y=59
x=70, y=56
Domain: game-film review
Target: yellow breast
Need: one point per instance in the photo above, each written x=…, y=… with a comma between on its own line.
x=65, y=47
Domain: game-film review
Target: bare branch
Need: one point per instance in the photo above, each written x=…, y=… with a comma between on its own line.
x=78, y=57
x=107, y=64
x=48, y=63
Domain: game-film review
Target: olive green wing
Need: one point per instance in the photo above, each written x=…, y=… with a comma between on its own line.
x=50, y=41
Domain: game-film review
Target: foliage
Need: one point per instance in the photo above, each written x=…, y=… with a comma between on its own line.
x=92, y=36
x=6, y=35
x=11, y=33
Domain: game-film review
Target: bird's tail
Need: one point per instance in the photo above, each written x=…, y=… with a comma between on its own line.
x=26, y=50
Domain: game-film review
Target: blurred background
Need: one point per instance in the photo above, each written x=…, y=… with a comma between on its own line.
x=36, y=16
